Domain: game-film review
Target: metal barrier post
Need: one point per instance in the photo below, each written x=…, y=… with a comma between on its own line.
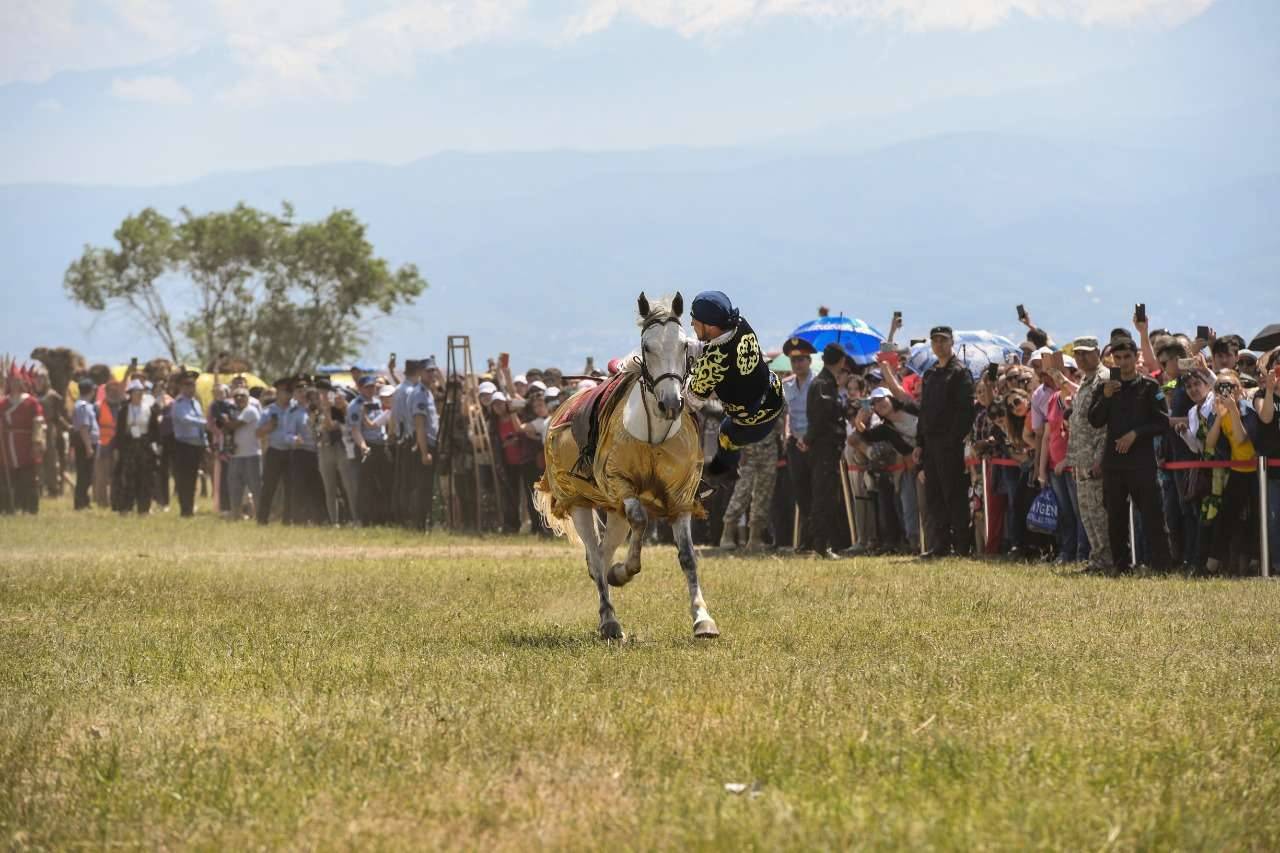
x=1133, y=538
x=986, y=505
x=1264, y=547
x=795, y=530
x=848, y=501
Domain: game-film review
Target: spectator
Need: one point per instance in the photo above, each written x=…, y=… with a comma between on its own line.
x=137, y=432
x=274, y=426
x=84, y=440
x=795, y=392
x=110, y=398
x=22, y=444
x=946, y=416
x=1233, y=429
x=302, y=432
x=366, y=420
x=825, y=439
x=244, y=468
x=1268, y=443
x=1133, y=410
x=1085, y=446
x=189, y=442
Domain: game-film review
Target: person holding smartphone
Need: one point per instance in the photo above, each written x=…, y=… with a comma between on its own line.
x=1265, y=402
x=1133, y=410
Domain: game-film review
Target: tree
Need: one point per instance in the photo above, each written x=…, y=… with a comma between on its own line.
x=283, y=295
x=130, y=276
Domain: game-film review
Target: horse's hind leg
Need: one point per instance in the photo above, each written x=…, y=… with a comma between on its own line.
x=704, y=627
x=584, y=521
x=639, y=521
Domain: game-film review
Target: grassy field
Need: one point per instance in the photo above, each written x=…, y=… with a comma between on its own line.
x=172, y=684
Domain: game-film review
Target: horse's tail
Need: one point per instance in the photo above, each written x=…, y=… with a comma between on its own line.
x=559, y=526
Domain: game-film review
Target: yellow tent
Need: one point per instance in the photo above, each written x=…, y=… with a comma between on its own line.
x=204, y=384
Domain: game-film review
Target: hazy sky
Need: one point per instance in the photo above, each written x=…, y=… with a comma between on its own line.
x=152, y=91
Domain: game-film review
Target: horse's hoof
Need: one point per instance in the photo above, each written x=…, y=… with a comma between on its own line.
x=612, y=631
x=706, y=629
x=617, y=575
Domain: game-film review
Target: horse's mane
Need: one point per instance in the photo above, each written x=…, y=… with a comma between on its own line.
x=659, y=309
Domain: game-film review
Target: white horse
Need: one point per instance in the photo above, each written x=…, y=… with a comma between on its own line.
x=648, y=463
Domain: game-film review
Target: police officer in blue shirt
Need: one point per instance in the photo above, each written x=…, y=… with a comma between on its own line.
x=305, y=487
x=189, y=441
x=423, y=426
x=84, y=440
x=401, y=435
x=275, y=464
x=367, y=419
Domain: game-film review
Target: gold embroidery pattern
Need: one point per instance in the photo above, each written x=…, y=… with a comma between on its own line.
x=708, y=371
x=748, y=354
x=758, y=418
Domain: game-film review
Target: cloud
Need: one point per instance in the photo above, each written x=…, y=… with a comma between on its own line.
x=339, y=58
x=152, y=89
x=336, y=48
x=700, y=17
x=40, y=38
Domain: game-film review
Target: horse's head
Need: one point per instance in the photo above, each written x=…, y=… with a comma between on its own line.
x=664, y=353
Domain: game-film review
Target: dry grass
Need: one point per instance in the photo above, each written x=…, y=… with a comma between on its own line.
x=171, y=684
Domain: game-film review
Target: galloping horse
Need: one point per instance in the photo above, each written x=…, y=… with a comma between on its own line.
x=642, y=459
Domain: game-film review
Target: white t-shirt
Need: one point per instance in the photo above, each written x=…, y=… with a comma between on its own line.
x=246, y=438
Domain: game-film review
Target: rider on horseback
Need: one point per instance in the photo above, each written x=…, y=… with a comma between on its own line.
x=727, y=362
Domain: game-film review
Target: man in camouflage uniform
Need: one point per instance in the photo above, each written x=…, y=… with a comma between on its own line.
x=757, y=473
x=1085, y=445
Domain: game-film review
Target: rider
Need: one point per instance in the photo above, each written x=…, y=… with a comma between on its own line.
x=728, y=363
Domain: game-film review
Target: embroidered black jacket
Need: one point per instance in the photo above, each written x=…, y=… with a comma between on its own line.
x=736, y=372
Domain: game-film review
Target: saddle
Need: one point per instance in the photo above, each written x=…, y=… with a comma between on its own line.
x=584, y=413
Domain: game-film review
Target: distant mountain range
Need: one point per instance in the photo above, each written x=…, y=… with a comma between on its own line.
x=1077, y=201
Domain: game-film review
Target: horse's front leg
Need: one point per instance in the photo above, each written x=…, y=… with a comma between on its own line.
x=584, y=521
x=615, y=532
x=639, y=521
x=704, y=627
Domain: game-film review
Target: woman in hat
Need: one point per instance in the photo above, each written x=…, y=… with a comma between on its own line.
x=134, y=445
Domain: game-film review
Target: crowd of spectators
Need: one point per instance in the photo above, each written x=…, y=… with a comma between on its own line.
x=1093, y=423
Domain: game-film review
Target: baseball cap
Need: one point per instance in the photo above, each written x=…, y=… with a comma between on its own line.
x=880, y=393
x=499, y=397
x=1088, y=343
x=538, y=385
x=386, y=390
x=366, y=380
x=520, y=379
x=487, y=388
x=945, y=331
x=1068, y=361
x=1039, y=354
x=134, y=385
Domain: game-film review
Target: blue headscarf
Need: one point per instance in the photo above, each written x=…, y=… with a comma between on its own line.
x=714, y=308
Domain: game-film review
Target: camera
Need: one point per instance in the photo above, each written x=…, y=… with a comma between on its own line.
x=1224, y=389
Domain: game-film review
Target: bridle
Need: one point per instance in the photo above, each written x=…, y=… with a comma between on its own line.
x=649, y=382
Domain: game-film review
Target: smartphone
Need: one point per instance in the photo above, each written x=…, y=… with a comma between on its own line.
x=889, y=358
x=993, y=372
x=1022, y=312
x=1186, y=364
x=865, y=403
x=504, y=359
x=1203, y=333
x=1140, y=312
x=897, y=316
x=393, y=356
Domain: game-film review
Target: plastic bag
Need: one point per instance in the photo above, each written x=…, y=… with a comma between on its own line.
x=1043, y=515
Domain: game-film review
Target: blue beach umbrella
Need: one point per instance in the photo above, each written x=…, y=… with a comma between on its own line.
x=975, y=349
x=858, y=339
